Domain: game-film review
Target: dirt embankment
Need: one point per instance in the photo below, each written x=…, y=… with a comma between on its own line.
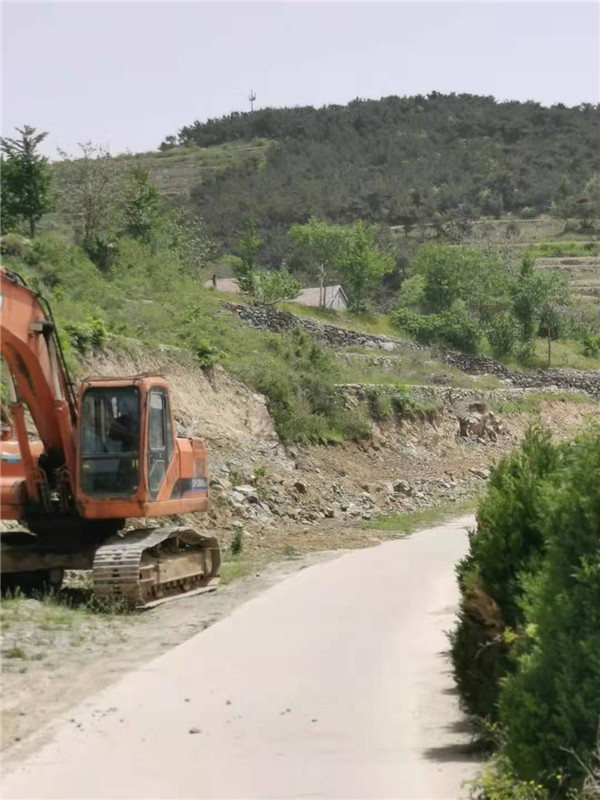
x=287, y=505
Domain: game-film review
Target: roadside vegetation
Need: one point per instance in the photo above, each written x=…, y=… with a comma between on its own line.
x=403, y=523
x=525, y=649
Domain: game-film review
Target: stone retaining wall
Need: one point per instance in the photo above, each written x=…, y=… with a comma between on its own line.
x=276, y=321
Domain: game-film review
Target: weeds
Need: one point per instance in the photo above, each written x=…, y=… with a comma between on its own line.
x=237, y=542
x=404, y=523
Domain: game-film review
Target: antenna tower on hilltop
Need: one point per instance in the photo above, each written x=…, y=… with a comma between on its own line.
x=252, y=98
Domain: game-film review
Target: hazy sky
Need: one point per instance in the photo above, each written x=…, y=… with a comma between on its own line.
x=127, y=74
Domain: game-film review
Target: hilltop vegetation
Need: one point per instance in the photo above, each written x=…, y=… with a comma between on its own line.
x=399, y=161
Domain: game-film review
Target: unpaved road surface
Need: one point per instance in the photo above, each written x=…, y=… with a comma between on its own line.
x=333, y=684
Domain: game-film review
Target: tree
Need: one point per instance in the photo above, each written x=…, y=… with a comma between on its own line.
x=8, y=215
x=272, y=287
x=90, y=191
x=540, y=299
x=141, y=204
x=187, y=235
x=324, y=242
x=361, y=262
x=26, y=184
x=249, y=247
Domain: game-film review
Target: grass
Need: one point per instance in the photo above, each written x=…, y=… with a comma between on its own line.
x=531, y=403
x=404, y=523
x=564, y=353
x=36, y=627
x=367, y=322
x=235, y=567
x=408, y=366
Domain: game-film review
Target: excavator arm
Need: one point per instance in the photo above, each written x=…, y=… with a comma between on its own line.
x=38, y=379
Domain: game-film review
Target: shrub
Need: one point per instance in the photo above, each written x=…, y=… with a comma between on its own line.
x=507, y=545
x=551, y=704
x=12, y=244
x=237, y=542
x=497, y=781
x=206, y=354
x=454, y=328
x=591, y=343
x=380, y=403
x=86, y=335
x=502, y=335
x=406, y=407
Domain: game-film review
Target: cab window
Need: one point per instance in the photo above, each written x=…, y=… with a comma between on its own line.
x=160, y=439
x=110, y=432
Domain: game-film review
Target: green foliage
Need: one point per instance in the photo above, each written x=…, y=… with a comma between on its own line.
x=479, y=279
x=497, y=781
x=86, y=335
x=405, y=406
x=452, y=328
x=398, y=160
x=361, y=262
x=141, y=204
x=564, y=249
x=549, y=705
x=269, y=288
x=249, y=246
x=380, y=403
x=25, y=179
x=525, y=649
x=206, y=353
x=591, y=343
x=323, y=241
x=185, y=235
x=502, y=335
x=237, y=541
x=89, y=193
x=13, y=244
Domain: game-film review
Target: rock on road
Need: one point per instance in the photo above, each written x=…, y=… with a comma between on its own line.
x=333, y=684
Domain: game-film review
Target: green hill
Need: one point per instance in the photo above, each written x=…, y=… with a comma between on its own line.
x=396, y=161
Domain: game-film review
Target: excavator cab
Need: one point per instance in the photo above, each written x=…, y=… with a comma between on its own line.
x=130, y=463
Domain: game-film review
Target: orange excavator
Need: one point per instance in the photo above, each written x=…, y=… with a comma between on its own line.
x=105, y=454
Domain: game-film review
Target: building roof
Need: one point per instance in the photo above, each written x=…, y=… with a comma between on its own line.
x=312, y=295
x=224, y=284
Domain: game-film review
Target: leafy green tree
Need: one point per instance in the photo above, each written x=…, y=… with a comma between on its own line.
x=324, y=242
x=271, y=287
x=187, y=235
x=540, y=300
x=249, y=247
x=26, y=184
x=90, y=191
x=502, y=335
x=8, y=215
x=462, y=272
x=525, y=302
x=361, y=262
x=141, y=204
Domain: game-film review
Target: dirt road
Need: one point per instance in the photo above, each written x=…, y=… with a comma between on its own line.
x=333, y=684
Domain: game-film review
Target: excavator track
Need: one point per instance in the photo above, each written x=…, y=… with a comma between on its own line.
x=149, y=566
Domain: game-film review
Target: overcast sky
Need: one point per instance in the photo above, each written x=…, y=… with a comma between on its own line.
x=127, y=74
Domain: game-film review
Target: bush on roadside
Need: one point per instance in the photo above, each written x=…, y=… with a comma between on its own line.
x=525, y=650
x=550, y=706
